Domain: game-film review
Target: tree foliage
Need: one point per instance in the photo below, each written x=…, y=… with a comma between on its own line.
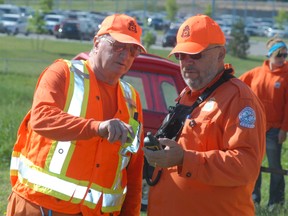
x=281, y=17
x=37, y=23
x=238, y=43
x=208, y=10
x=171, y=9
x=46, y=5
x=148, y=39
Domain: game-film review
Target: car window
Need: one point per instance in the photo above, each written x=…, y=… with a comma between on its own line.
x=137, y=82
x=157, y=91
x=169, y=93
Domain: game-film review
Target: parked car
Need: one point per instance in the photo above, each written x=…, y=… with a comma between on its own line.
x=280, y=31
x=9, y=9
x=158, y=82
x=75, y=29
x=2, y=27
x=15, y=24
x=252, y=30
x=51, y=20
x=169, y=38
x=158, y=23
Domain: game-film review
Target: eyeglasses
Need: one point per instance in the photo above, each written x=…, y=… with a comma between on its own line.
x=181, y=56
x=119, y=47
x=280, y=55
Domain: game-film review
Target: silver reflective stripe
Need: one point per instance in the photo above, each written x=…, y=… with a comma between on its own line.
x=80, y=192
x=130, y=103
x=93, y=196
x=78, y=94
x=127, y=90
x=39, y=178
x=62, y=148
x=14, y=163
x=125, y=161
x=110, y=200
x=118, y=178
x=59, y=156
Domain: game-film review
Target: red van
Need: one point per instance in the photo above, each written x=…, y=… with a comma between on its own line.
x=158, y=81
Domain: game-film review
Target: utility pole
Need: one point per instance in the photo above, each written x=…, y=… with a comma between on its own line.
x=116, y=6
x=234, y=11
x=213, y=9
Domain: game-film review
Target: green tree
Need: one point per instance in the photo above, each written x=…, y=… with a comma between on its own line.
x=148, y=39
x=208, y=10
x=171, y=9
x=238, y=44
x=281, y=17
x=37, y=25
x=46, y=5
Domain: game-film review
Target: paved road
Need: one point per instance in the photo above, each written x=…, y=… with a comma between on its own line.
x=257, y=48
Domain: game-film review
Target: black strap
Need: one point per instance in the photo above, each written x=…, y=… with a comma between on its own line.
x=208, y=91
x=225, y=77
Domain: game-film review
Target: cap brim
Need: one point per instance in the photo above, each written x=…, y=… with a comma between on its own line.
x=188, y=47
x=123, y=38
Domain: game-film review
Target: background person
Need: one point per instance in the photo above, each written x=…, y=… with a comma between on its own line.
x=212, y=167
x=73, y=155
x=270, y=83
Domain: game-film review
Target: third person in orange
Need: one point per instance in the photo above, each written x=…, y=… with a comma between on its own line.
x=270, y=83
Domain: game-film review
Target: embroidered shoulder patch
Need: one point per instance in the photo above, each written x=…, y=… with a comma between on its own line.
x=247, y=117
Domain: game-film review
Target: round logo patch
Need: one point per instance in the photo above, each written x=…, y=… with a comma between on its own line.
x=247, y=117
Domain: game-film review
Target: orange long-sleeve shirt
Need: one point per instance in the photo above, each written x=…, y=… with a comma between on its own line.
x=224, y=147
x=272, y=90
x=50, y=121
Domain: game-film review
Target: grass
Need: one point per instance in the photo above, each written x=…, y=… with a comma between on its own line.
x=21, y=62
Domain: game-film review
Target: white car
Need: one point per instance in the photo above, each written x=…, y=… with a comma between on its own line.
x=15, y=24
x=51, y=20
x=272, y=31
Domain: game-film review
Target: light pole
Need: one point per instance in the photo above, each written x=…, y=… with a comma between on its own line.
x=213, y=9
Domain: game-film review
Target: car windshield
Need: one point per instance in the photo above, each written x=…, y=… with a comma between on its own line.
x=52, y=19
x=11, y=19
x=69, y=26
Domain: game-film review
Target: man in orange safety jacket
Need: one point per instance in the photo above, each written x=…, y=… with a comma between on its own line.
x=211, y=167
x=77, y=148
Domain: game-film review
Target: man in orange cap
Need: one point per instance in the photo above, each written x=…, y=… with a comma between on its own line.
x=211, y=166
x=77, y=148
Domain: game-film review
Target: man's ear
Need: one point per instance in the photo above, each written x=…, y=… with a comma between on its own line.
x=222, y=53
x=96, y=41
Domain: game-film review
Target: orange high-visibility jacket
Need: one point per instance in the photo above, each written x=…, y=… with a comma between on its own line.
x=224, y=143
x=272, y=90
x=71, y=169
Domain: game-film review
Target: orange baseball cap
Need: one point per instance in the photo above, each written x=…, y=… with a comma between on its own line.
x=196, y=34
x=122, y=28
